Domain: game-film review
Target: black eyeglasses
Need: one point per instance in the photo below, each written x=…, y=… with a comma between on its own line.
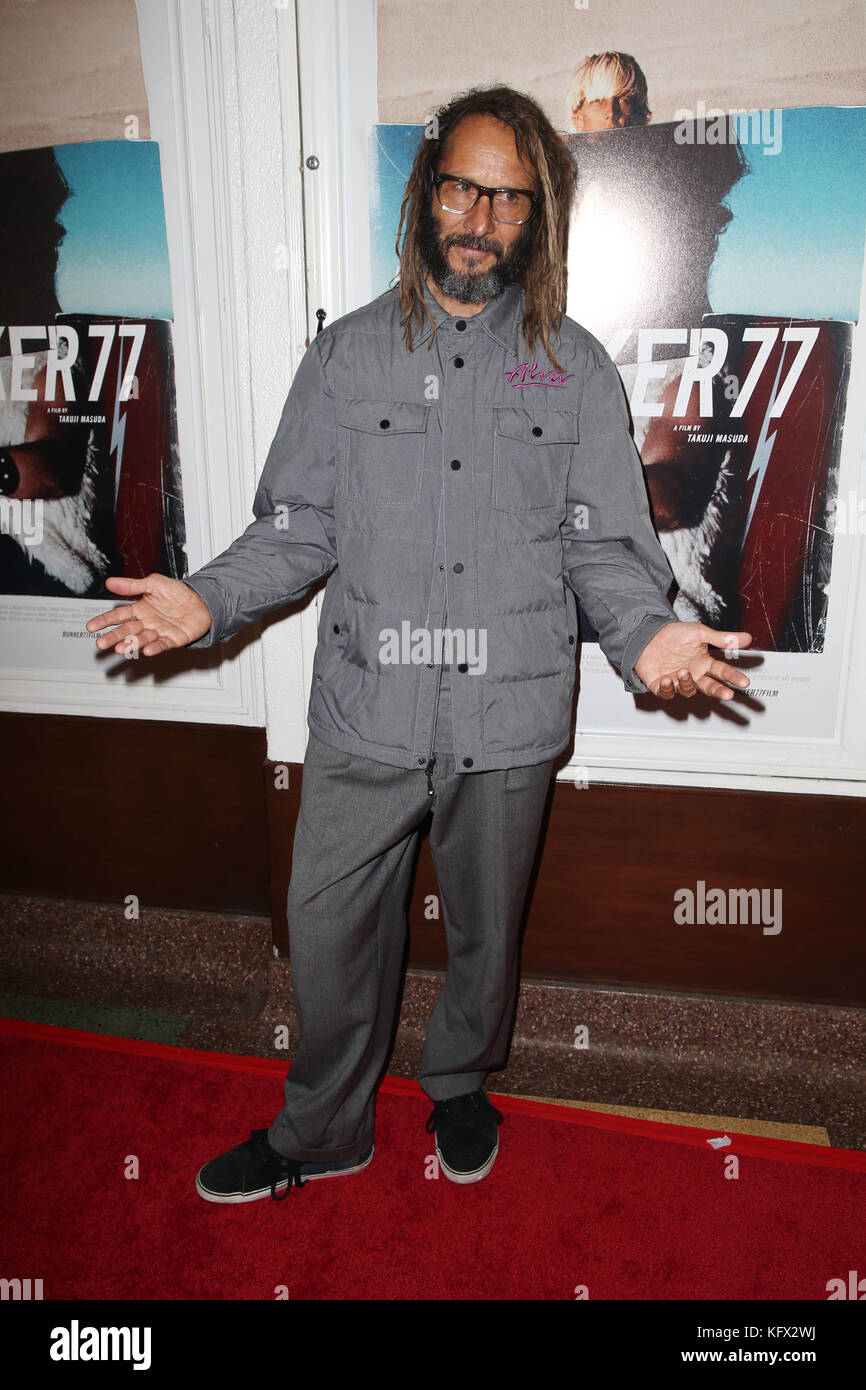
x=512, y=205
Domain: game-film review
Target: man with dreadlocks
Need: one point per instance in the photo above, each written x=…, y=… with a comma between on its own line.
x=457, y=450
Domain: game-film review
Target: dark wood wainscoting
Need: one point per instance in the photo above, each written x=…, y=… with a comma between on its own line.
x=96, y=809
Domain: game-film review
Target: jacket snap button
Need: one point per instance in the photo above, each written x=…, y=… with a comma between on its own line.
x=460, y=326
x=336, y=627
x=458, y=569
x=571, y=641
x=467, y=762
x=458, y=361
x=463, y=666
x=455, y=464
x=537, y=431
x=384, y=424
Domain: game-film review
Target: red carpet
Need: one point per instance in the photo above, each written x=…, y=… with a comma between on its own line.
x=629, y=1209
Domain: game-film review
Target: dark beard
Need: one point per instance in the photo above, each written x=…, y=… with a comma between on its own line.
x=470, y=287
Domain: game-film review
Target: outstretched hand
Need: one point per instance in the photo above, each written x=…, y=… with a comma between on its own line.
x=677, y=660
x=167, y=614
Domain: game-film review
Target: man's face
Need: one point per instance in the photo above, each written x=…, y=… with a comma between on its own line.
x=469, y=255
x=603, y=114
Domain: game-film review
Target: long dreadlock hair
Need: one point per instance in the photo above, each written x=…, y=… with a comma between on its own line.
x=544, y=282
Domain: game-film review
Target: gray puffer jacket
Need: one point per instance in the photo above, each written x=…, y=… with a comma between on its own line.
x=477, y=476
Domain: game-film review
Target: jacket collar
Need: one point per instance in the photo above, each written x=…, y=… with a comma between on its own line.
x=501, y=318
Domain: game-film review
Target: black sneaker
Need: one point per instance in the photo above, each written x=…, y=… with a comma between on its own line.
x=467, y=1136
x=255, y=1169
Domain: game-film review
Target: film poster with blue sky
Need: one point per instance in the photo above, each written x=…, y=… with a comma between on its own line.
x=90, y=479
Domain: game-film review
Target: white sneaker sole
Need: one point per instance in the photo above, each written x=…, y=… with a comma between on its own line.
x=465, y=1178
x=235, y=1198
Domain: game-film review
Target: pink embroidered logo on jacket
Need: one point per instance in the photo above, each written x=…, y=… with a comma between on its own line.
x=529, y=375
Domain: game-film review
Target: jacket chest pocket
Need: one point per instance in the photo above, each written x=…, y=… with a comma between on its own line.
x=381, y=450
x=531, y=453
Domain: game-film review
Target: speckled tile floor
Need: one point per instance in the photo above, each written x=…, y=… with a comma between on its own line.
x=208, y=981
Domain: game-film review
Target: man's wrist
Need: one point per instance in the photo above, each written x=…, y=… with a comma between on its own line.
x=636, y=644
x=209, y=591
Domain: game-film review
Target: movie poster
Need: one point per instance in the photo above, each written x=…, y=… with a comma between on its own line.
x=719, y=260
x=740, y=445
x=90, y=480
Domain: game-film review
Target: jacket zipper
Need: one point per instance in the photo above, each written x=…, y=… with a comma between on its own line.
x=431, y=760
x=428, y=769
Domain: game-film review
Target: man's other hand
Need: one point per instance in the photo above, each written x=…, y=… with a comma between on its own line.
x=167, y=613
x=678, y=661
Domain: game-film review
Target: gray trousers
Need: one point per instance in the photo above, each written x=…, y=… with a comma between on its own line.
x=353, y=857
